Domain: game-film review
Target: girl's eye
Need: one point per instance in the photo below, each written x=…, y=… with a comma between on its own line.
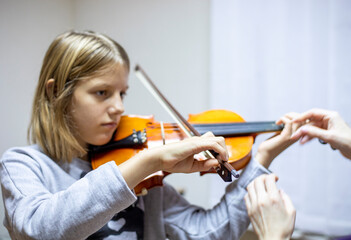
x=123, y=95
x=101, y=93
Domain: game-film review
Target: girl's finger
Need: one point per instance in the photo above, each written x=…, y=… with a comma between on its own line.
x=220, y=141
x=204, y=165
x=211, y=143
x=287, y=130
x=289, y=116
x=292, y=115
x=208, y=134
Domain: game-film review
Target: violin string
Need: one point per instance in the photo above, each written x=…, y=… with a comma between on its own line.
x=163, y=133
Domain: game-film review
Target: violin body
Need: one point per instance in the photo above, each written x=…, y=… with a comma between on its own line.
x=239, y=138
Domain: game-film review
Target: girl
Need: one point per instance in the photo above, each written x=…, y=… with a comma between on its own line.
x=50, y=190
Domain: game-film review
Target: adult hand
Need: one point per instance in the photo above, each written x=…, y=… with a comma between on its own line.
x=327, y=126
x=270, y=210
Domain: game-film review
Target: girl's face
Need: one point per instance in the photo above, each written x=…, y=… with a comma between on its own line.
x=97, y=106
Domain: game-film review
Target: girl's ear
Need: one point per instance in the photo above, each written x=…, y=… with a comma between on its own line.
x=49, y=87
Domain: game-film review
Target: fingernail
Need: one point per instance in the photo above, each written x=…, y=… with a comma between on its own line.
x=294, y=134
x=304, y=139
x=303, y=129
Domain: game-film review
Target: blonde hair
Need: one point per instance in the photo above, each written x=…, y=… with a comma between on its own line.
x=71, y=57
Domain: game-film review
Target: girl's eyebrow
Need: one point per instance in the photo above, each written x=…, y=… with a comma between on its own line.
x=98, y=84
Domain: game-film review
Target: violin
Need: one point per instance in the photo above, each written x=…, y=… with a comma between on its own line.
x=136, y=133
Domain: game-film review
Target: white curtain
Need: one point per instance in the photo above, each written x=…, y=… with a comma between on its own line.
x=272, y=57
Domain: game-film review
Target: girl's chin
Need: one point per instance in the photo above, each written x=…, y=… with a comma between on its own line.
x=101, y=141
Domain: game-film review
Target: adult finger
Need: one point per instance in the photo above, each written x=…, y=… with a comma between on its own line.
x=260, y=188
x=270, y=184
x=248, y=204
x=305, y=139
x=311, y=132
x=315, y=114
x=251, y=193
x=289, y=206
x=297, y=134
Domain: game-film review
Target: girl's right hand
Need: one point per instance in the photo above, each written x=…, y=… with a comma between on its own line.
x=179, y=156
x=174, y=157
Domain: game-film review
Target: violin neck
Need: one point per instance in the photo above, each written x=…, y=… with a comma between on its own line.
x=238, y=129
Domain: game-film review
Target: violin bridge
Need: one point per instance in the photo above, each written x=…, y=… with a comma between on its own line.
x=163, y=133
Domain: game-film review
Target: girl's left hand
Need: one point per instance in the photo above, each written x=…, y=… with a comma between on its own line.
x=273, y=146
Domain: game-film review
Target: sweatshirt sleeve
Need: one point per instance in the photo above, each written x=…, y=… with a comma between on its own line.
x=34, y=212
x=227, y=220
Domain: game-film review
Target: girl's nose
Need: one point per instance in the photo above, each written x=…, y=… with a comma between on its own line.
x=116, y=106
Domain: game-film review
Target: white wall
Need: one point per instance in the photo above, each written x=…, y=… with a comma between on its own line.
x=26, y=30
x=290, y=56
x=169, y=39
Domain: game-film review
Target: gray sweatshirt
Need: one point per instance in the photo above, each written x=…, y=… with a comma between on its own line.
x=44, y=199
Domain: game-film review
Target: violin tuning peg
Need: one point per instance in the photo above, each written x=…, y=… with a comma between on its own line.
x=143, y=136
x=134, y=133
